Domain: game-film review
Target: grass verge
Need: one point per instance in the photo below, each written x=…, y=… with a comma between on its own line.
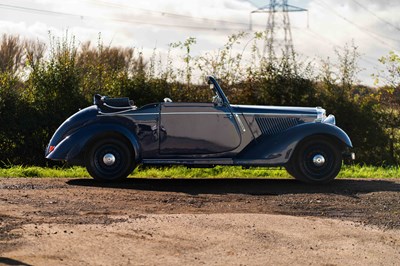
x=354, y=171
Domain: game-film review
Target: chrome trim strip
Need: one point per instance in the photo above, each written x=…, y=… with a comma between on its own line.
x=212, y=113
x=121, y=112
x=240, y=122
x=115, y=113
x=120, y=107
x=195, y=113
x=282, y=114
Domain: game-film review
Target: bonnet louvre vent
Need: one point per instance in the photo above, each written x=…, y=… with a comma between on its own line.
x=274, y=125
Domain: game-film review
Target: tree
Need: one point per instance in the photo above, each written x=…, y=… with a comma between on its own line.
x=389, y=101
x=11, y=54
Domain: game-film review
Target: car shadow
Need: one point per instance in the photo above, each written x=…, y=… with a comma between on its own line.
x=245, y=186
x=9, y=261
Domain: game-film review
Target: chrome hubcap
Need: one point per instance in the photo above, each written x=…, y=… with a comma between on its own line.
x=109, y=159
x=319, y=160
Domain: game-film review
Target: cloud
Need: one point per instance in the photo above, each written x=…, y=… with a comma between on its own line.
x=142, y=24
x=36, y=31
x=340, y=23
x=373, y=5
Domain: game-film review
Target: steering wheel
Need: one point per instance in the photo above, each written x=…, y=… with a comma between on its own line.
x=167, y=100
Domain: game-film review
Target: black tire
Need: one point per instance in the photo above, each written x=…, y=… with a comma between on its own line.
x=109, y=159
x=291, y=170
x=316, y=160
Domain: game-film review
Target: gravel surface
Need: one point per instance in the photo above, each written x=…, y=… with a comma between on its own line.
x=194, y=222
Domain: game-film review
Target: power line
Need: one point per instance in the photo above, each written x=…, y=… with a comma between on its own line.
x=368, y=59
x=365, y=58
x=167, y=14
x=372, y=34
x=175, y=15
x=38, y=11
x=375, y=15
x=225, y=25
x=365, y=30
x=130, y=21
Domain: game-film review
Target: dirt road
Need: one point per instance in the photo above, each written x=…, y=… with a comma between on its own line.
x=195, y=222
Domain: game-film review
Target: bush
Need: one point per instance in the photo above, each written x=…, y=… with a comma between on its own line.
x=37, y=94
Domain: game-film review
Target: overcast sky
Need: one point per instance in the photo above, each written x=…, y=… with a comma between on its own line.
x=373, y=25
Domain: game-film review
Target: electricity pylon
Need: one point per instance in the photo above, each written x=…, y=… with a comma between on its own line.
x=278, y=34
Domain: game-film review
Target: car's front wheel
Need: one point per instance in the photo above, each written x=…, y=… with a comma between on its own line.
x=109, y=159
x=316, y=161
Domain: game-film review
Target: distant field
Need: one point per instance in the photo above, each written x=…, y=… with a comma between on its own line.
x=355, y=171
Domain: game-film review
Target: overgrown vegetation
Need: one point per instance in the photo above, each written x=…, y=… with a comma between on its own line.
x=41, y=86
x=354, y=171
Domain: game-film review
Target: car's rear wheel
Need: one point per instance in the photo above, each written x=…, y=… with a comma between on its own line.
x=316, y=160
x=109, y=159
x=292, y=170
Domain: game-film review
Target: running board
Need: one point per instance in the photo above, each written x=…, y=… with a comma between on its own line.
x=189, y=162
x=207, y=162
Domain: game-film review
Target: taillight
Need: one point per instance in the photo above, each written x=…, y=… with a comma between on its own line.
x=51, y=148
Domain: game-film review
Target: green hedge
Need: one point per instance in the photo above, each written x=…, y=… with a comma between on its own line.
x=37, y=92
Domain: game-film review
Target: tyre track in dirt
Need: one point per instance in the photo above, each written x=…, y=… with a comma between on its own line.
x=29, y=208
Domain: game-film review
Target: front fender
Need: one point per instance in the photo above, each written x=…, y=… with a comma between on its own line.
x=72, y=147
x=278, y=149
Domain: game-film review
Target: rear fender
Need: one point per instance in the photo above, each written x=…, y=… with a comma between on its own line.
x=278, y=149
x=72, y=147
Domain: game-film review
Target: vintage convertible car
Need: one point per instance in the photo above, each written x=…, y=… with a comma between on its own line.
x=111, y=137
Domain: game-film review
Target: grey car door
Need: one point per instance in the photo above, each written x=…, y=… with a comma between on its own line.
x=197, y=128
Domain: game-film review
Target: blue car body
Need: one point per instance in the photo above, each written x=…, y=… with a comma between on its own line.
x=198, y=135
